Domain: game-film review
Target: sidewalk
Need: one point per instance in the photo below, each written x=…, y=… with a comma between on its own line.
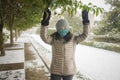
x=12, y=64
x=21, y=62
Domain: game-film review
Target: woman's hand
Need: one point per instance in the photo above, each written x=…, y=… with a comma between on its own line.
x=46, y=17
x=85, y=17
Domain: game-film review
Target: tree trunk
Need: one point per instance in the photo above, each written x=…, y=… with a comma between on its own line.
x=2, y=50
x=16, y=34
x=10, y=22
x=11, y=34
x=19, y=33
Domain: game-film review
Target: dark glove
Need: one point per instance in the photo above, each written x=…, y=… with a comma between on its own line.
x=46, y=17
x=85, y=16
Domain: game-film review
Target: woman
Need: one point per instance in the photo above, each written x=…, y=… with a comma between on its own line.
x=63, y=44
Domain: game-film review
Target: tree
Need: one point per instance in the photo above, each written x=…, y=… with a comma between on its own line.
x=111, y=20
x=114, y=14
x=2, y=20
x=17, y=11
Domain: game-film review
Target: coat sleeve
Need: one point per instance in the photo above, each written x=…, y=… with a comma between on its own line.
x=83, y=36
x=44, y=35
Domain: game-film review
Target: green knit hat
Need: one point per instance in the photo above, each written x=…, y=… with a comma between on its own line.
x=61, y=23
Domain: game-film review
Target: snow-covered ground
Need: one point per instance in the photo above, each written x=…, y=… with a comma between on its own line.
x=98, y=64
x=16, y=46
x=13, y=54
x=13, y=75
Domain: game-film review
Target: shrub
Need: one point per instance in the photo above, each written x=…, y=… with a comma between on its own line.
x=103, y=45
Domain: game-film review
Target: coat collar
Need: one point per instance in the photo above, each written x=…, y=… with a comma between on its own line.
x=67, y=38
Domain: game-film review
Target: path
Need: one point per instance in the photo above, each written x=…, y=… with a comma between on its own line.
x=99, y=64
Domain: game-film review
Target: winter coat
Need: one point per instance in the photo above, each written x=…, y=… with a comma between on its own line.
x=63, y=50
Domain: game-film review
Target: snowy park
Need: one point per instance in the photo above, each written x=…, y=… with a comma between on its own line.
x=59, y=40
